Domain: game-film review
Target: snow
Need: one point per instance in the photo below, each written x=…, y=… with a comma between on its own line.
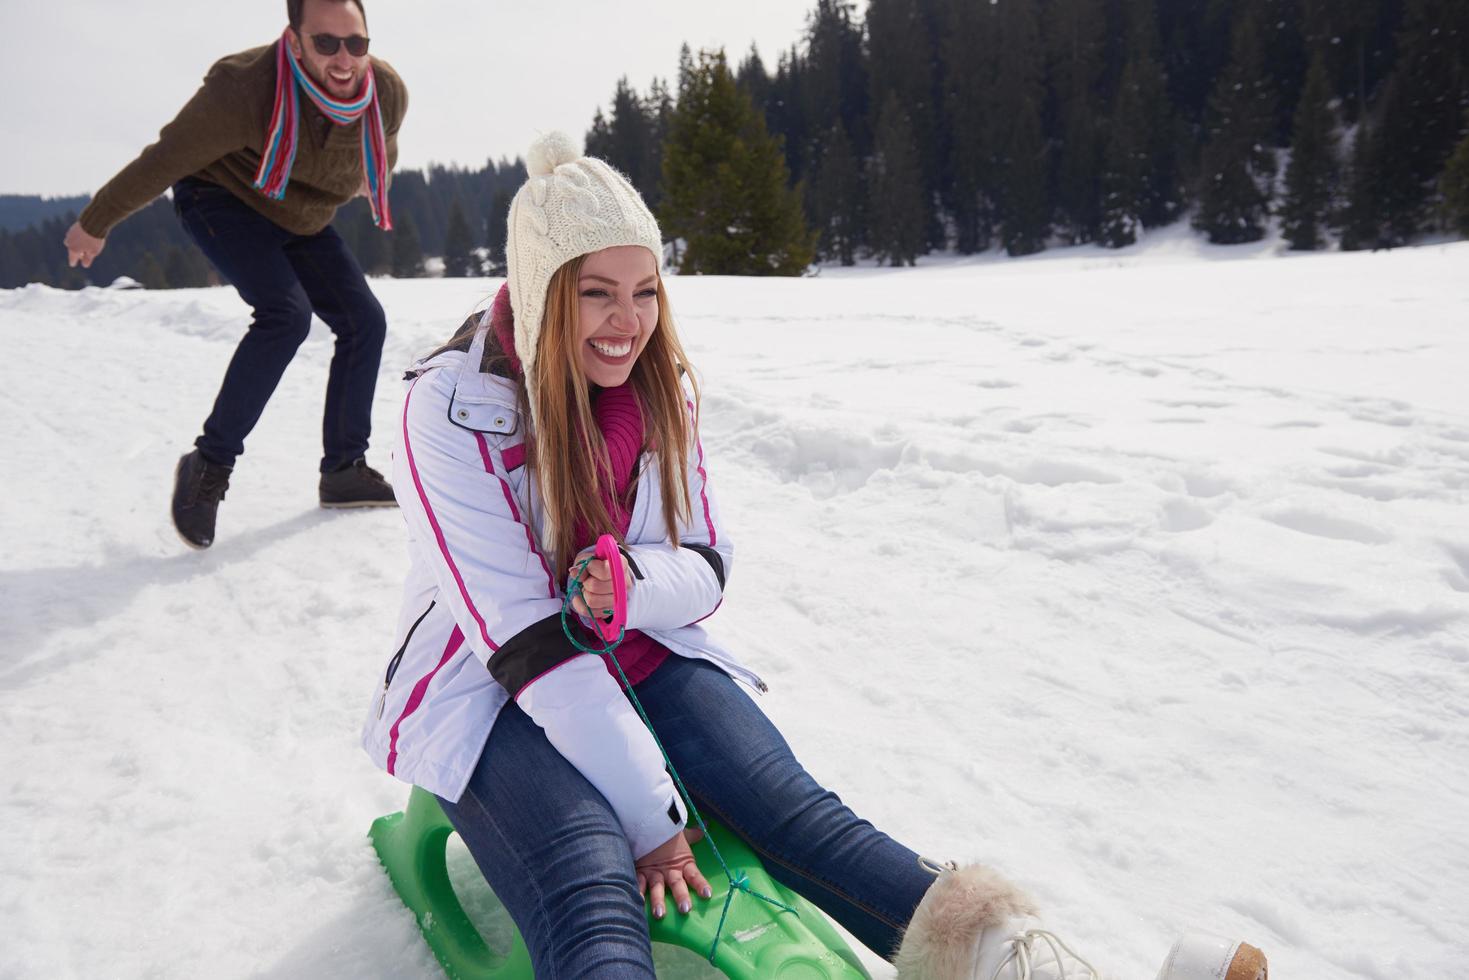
x=1143, y=576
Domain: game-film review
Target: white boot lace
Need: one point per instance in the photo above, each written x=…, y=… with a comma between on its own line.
x=1023, y=955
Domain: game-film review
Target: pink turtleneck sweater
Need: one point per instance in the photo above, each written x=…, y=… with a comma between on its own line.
x=621, y=421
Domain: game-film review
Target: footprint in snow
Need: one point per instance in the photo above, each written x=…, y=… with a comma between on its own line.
x=1190, y=403
x=1381, y=411
x=1351, y=471
x=1181, y=515
x=1059, y=472
x=1322, y=525
x=1200, y=483
x=827, y=461
x=1457, y=575
x=1380, y=492
x=1052, y=421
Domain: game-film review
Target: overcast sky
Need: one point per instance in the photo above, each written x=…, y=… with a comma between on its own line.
x=88, y=83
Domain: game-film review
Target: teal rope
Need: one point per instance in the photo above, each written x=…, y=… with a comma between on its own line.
x=740, y=883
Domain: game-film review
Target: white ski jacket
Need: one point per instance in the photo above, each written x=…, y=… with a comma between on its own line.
x=480, y=621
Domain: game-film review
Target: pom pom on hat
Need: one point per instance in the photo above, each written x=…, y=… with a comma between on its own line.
x=550, y=151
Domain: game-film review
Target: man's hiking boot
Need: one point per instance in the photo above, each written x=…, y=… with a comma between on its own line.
x=198, y=487
x=356, y=485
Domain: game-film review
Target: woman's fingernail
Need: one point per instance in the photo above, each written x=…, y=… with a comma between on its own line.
x=657, y=911
x=707, y=892
x=683, y=907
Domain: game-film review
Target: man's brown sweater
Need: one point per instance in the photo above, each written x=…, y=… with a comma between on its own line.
x=220, y=134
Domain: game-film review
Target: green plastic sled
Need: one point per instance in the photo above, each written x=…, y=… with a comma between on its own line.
x=759, y=941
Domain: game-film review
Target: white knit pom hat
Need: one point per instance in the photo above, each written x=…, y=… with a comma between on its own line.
x=570, y=206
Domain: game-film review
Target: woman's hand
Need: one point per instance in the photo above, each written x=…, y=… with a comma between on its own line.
x=671, y=866
x=595, y=600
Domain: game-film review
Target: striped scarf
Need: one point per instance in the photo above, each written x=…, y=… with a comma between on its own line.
x=281, y=138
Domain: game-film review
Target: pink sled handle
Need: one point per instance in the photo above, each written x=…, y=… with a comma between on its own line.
x=608, y=551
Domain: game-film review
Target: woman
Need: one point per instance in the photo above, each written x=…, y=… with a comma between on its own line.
x=564, y=413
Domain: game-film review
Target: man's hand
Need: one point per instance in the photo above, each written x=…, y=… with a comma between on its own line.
x=81, y=247
x=671, y=866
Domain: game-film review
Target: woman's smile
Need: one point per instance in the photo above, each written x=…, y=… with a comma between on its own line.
x=614, y=351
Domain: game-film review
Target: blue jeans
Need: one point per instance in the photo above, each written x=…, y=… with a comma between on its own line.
x=551, y=848
x=284, y=278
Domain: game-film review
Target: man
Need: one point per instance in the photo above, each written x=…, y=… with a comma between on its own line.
x=277, y=139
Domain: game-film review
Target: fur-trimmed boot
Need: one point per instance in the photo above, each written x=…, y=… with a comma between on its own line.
x=973, y=924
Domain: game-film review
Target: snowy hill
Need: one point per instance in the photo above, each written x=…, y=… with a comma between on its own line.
x=1144, y=577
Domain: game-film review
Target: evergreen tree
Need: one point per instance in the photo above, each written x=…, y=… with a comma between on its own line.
x=369, y=243
x=407, y=259
x=412, y=194
x=1454, y=186
x=41, y=260
x=1158, y=136
x=150, y=273
x=1310, y=180
x=459, y=259
x=12, y=265
x=659, y=107
x=836, y=78
x=837, y=198
x=686, y=67
x=1194, y=52
x=895, y=189
x=20, y=211
x=632, y=138
x=1234, y=193
x=903, y=61
x=599, y=137
x=1124, y=176
x=967, y=66
x=1016, y=137
x=1286, y=62
x=1356, y=39
x=753, y=79
x=1076, y=35
x=497, y=229
x=725, y=183
x=1359, y=219
x=1412, y=127
x=834, y=97
x=785, y=111
x=1139, y=181
x=185, y=269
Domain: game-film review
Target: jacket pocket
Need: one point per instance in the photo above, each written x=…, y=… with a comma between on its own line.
x=398, y=658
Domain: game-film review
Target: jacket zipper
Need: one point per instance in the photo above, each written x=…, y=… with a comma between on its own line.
x=398, y=658
x=740, y=671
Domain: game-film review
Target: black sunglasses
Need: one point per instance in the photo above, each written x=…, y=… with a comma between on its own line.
x=328, y=44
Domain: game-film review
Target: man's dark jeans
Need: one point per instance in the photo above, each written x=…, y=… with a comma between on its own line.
x=285, y=278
